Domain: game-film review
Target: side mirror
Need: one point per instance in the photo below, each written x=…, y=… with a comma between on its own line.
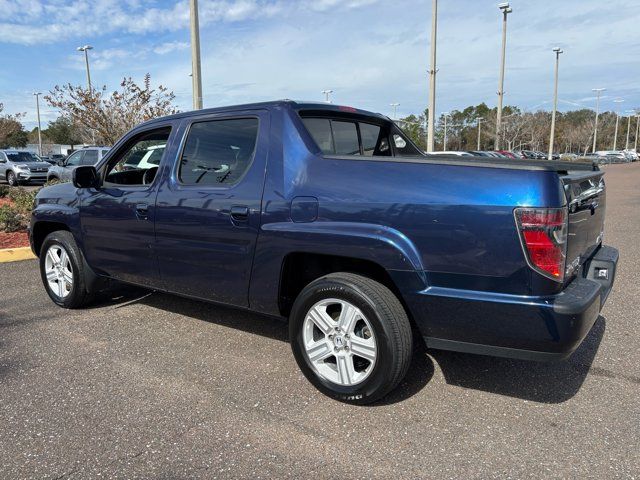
x=85, y=177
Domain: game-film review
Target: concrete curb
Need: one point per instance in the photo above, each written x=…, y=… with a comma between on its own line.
x=16, y=254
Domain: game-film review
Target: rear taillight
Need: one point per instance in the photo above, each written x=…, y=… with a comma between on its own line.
x=543, y=233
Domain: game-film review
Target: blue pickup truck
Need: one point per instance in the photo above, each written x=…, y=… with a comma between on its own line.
x=331, y=218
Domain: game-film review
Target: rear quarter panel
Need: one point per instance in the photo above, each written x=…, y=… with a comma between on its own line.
x=453, y=224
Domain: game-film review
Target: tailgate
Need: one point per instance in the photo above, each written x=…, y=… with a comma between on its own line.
x=586, y=200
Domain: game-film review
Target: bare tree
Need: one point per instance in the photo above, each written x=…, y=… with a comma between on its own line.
x=109, y=116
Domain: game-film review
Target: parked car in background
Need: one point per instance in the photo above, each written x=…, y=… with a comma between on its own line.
x=613, y=156
x=54, y=158
x=632, y=155
x=18, y=167
x=506, y=153
x=85, y=156
x=330, y=217
x=452, y=152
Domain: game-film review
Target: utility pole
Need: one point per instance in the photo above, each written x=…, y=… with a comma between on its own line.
x=37, y=95
x=558, y=51
x=635, y=146
x=506, y=10
x=479, y=119
x=615, y=135
x=595, y=131
x=326, y=95
x=444, y=145
x=395, y=106
x=432, y=77
x=195, y=56
x=86, y=49
x=626, y=147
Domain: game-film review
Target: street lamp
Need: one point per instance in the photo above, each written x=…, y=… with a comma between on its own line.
x=86, y=49
x=615, y=135
x=479, y=120
x=395, y=106
x=432, y=77
x=506, y=10
x=595, y=131
x=196, y=77
x=37, y=95
x=444, y=143
x=326, y=95
x=557, y=51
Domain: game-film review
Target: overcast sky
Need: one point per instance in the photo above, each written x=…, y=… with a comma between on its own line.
x=370, y=52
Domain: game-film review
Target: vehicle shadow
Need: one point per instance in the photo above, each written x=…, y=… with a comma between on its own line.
x=554, y=382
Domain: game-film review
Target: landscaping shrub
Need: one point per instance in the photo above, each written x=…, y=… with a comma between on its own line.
x=4, y=191
x=11, y=220
x=22, y=199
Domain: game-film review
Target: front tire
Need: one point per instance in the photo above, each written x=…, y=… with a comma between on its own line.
x=62, y=271
x=12, y=180
x=351, y=337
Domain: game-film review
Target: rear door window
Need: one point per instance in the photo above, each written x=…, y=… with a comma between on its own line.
x=218, y=152
x=90, y=157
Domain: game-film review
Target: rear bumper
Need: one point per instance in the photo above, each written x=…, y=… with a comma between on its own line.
x=533, y=328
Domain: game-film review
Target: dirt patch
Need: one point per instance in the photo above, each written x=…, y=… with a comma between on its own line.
x=5, y=201
x=14, y=240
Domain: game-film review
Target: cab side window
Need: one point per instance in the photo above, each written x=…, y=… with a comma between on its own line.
x=137, y=162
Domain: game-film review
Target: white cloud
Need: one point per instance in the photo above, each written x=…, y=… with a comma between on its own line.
x=169, y=47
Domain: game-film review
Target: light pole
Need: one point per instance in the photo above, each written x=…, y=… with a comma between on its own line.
x=86, y=49
x=444, y=143
x=37, y=95
x=595, y=131
x=395, y=106
x=506, y=10
x=326, y=95
x=479, y=119
x=557, y=51
x=432, y=77
x=615, y=135
x=196, y=78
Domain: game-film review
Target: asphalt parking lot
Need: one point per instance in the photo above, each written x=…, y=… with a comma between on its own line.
x=147, y=385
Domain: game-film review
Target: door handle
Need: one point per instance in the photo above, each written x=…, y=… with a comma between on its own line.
x=240, y=213
x=142, y=210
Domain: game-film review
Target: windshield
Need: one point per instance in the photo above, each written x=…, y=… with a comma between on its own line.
x=21, y=157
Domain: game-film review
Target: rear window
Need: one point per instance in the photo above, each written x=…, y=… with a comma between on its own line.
x=352, y=137
x=345, y=138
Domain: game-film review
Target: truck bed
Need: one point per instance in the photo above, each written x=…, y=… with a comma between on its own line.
x=487, y=162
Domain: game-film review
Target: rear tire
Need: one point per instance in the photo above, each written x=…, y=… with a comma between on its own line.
x=62, y=271
x=358, y=364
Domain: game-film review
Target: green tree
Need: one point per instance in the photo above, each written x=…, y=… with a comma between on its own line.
x=63, y=131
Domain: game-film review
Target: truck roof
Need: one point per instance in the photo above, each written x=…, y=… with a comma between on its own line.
x=296, y=105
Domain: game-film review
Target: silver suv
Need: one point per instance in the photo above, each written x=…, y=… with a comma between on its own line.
x=18, y=167
x=84, y=156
